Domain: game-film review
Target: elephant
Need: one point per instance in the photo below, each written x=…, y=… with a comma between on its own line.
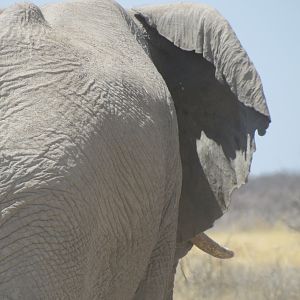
x=123, y=135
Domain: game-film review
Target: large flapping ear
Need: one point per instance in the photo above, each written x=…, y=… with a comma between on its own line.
x=219, y=103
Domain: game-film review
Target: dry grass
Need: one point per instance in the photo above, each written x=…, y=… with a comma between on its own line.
x=266, y=266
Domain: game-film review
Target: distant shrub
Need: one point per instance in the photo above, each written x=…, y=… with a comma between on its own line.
x=263, y=203
x=265, y=199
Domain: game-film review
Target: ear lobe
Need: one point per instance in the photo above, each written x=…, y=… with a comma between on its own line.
x=219, y=104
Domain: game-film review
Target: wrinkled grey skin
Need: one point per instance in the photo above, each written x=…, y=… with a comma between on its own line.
x=123, y=135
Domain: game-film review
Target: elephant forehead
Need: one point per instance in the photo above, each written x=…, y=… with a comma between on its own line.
x=102, y=67
x=103, y=31
x=60, y=93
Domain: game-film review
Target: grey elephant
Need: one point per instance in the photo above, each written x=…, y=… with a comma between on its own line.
x=123, y=134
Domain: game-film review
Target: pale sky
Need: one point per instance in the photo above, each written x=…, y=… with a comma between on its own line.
x=269, y=31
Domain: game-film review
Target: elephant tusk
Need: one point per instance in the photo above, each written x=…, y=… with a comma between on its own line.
x=206, y=244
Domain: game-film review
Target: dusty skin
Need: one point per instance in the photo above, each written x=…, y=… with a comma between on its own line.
x=122, y=136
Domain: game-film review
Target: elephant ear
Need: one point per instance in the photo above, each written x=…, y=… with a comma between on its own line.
x=219, y=102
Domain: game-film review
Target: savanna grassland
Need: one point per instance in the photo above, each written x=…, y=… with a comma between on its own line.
x=263, y=228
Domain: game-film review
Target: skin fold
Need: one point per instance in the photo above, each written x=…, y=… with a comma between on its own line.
x=106, y=129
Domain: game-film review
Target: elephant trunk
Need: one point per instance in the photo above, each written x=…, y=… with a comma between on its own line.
x=206, y=244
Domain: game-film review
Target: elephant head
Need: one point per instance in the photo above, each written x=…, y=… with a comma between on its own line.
x=123, y=134
x=219, y=103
